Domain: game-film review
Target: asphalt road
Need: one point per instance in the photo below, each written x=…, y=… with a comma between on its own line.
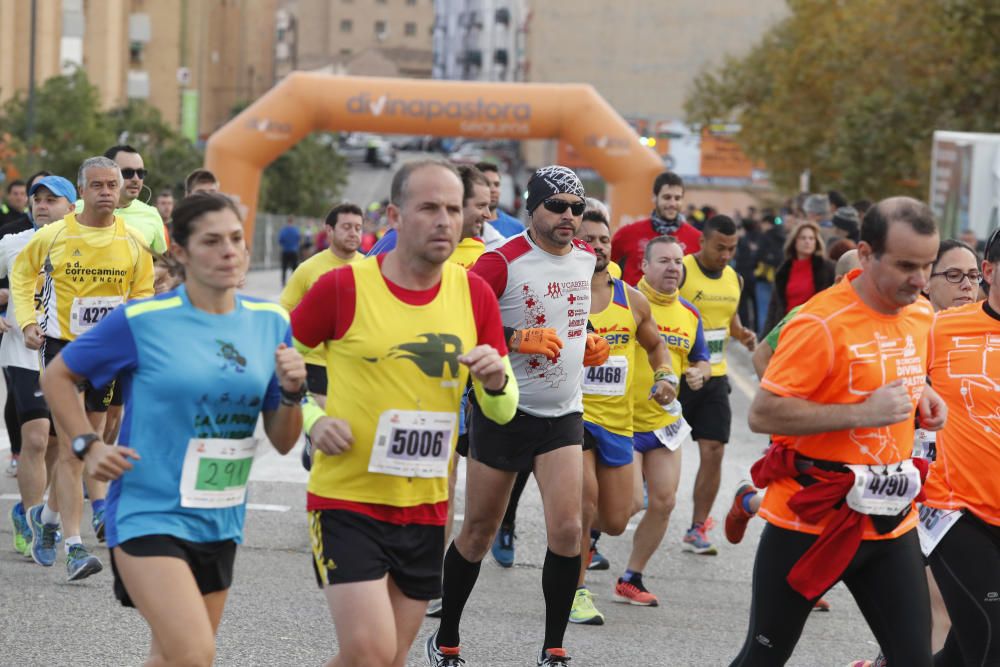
x=277, y=616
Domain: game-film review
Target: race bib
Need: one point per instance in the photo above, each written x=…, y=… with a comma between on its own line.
x=925, y=444
x=411, y=443
x=716, y=339
x=87, y=311
x=934, y=523
x=672, y=436
x=607, y=379
x=883, y=490
x=215, y=472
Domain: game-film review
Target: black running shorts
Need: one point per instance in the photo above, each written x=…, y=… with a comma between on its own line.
x=349, y=547
x=513, y=446
x=316, y=379
x=95, y=399
x=707, y=410
x=211, y=563
x=27, y=394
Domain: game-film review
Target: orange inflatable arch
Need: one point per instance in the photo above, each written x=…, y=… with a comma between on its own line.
x=307, y=102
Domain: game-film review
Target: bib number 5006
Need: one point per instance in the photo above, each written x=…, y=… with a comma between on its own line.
x=413, y=443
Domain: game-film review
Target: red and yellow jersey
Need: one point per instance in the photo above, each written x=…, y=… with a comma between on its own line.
x=85, y=273
x=394, y=361
x=837, y=350
x=304, y=277
x=467, y=252
x=964, y=369
x=607, y=396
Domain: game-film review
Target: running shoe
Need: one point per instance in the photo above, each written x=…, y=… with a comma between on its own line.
x=598, y=561
x=43, y=538
x=860, y=663
x=737, y=519
x=696, y=540
x=503, y=547
x=821, y=605
x=633, y=592
x=22, y=533
x=553, y=656
x=441, y=656
x=12, y=466
x=434, y=609
x=80, y=563
x=97, y=521
x=584, y=612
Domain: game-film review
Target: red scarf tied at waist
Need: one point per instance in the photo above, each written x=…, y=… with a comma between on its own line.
x=823, y=564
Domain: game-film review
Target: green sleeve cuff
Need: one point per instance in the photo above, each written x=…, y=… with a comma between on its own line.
x=311, y=413
x=499, y=408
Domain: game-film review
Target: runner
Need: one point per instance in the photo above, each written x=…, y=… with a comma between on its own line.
x=200, y=180
x=377, y=512
x=52, y=197
x=542, y=278
x=660, y=433
x=713, y=287
x=622, y=316
x=90, y=263
x=178, y=493
x=504, y=223
x=630, y=240
x=344, y=221
x=841, y=390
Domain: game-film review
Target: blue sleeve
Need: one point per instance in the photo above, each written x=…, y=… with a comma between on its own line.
x=384, y=244
x=699, y=352
x=105, y=351
x=272, y=396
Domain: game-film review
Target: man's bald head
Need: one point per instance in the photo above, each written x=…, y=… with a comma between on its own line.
x=847, y=263
x=913, y=212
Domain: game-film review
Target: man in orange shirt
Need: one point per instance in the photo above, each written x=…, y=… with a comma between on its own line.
x=840, y=391
x=960, y=522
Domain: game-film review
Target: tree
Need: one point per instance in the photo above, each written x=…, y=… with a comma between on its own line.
x=69, y=126
x=853, y=90
x=168, y=156
x=307, y=180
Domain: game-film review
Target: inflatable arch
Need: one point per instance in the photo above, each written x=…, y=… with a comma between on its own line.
x=306, y=102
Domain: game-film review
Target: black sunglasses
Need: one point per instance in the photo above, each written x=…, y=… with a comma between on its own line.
x=129, y=172
x=560, y=206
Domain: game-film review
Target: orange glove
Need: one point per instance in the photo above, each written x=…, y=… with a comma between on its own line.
x=536, y=341
x=597, y=350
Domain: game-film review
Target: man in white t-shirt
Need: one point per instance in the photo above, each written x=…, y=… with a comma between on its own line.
x=51, y=198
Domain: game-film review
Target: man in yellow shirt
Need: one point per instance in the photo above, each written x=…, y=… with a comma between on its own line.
x=89, y=263
x=475, y=214
x=344, y=221
x=138, y=215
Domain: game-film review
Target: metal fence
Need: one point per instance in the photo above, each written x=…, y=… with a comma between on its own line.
x=265, y=253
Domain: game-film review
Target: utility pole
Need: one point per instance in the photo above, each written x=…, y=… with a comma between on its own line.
x=30, y=129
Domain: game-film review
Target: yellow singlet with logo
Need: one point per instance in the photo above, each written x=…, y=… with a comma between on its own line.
x=467, y=252
x=677, y=325
x=607, y=397
x=717, y=300
x=303, y=278
x=86, y=272
x=397, y=382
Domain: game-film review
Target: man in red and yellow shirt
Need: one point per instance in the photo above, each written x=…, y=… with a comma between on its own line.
x=842, y=389
x=404, y=332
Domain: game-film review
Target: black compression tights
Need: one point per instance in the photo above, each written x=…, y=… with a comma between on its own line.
x=966, y=566
x=886, y=578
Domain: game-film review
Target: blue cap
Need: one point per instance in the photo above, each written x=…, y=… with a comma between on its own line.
x=57, y=185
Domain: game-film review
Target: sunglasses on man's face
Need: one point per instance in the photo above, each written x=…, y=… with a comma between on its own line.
x=560, y=206
x=129, y=172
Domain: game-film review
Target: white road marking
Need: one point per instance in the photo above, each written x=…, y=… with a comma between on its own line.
x=262, y=507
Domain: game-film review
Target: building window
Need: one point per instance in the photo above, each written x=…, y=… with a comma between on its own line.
x=346, y=25
x=346, y=53
x=410, y=29
x=380, y=28
x=411, y=2
x=380, y=2
x=135, y=53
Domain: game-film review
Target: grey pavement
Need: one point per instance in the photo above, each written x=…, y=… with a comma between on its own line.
x=276, y=615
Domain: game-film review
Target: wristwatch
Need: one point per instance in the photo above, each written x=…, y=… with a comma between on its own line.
x=81, y=444
x=670, y=378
